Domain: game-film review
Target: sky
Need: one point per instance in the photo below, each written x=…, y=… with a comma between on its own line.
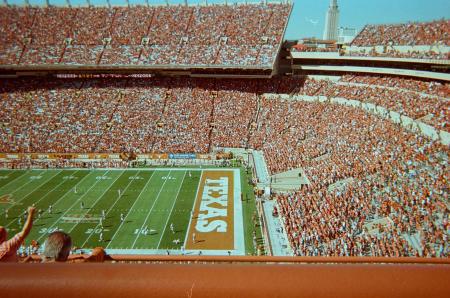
x=357, y=13
x=308, y=16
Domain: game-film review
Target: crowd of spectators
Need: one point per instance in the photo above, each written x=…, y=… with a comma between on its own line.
x=307, y=49
x=362, y=169
x=244, y=34
x=425, y=101
x=411, y=104
x=425, y=87
x=390, y=174
x=408, y=34
x=27, y=163
x=430, y=34
x=393, y=53
x=181, y=115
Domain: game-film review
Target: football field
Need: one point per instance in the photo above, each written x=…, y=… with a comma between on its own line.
x=129, y=210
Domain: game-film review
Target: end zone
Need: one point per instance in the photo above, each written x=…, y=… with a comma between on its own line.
x=216, y=224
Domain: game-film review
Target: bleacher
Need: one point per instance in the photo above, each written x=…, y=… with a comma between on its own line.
x=426, y=40
x=142, y=36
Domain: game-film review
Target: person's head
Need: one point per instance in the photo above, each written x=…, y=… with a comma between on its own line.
x=98, y=254
x=3, y=234
x=57, y=247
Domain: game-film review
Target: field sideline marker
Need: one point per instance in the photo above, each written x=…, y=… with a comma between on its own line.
x=192, y=209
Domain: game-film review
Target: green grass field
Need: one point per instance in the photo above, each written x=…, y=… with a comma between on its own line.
x=150, y=200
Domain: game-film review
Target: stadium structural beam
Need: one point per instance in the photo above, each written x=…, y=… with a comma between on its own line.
x=47, y=3
x=128, y=3
x=109, y=3
x=68, y=3
x=88, y=3
x=146, y=2
x=185, y=3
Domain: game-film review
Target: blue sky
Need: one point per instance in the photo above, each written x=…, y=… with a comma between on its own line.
x=353, y=13
x=357, y=13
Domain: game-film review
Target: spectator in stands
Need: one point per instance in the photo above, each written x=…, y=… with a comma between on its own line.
x=57, y=247
x=98, y=255
x=204, y=35
x=8, y=248
x=407, y=35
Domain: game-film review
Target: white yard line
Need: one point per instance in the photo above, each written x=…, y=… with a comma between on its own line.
x=68, y=209
x=239, y=241
x=48, y=192
x=129, y=210
x=110, y=208
x=171, y=210
x=34, y=188
x=25, y=173
x=65, y=194
x=153, y=205
x=195, y=202
x=99, y=197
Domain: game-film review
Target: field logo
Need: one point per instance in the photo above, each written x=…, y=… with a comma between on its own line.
x=6, y=199
x=212, y=224
x=213, y=206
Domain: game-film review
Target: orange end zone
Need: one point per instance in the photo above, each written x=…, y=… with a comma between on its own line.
x=212, y=224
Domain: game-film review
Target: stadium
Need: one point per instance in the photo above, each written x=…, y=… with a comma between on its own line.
x=195, y=142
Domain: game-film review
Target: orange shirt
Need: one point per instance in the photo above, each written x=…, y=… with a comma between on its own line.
x=8, y=249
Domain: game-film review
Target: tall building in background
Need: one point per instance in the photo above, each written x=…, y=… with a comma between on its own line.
x=332, y=22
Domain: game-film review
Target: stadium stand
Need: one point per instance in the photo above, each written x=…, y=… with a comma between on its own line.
x=428, y=40
x=430, y=88
x=404, y=34
x=429, y=109
x=160, y=35
x=375, y=189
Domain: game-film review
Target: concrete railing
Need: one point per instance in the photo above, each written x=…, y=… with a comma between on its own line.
x=271, y=277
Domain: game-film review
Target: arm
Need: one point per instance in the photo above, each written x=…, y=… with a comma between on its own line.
x=28, y=224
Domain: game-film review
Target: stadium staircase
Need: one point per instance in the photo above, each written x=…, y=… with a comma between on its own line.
x=253, y=124
x=211, y=121
x=413, y=240
x=263, y=34
x=189, y=23
x=147, y=33
x=279, y=241
x=261, y=169
x=288, y=181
